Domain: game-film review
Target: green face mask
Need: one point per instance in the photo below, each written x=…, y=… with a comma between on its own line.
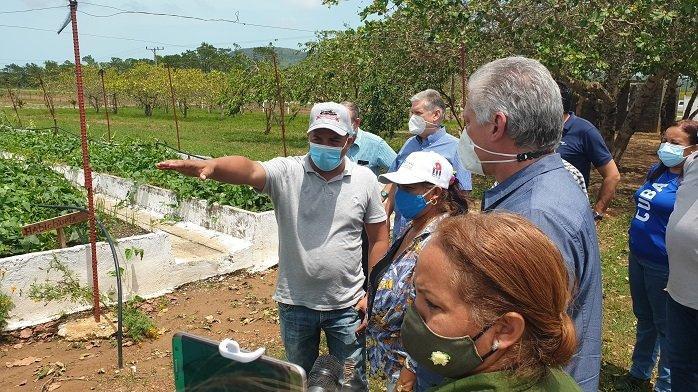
x=448, y=357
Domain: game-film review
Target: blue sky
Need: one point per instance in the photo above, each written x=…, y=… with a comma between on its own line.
x=22, y=46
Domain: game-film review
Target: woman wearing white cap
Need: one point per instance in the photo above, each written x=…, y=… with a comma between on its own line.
x=427, y=192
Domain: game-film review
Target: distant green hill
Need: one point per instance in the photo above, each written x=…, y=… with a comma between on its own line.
x=286, y=56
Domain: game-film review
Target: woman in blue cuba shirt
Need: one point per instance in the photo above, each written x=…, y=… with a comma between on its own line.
x=648, y=266
x=427, y=192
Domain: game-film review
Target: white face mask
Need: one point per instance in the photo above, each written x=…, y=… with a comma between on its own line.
x=417, y=124
x=470, y=160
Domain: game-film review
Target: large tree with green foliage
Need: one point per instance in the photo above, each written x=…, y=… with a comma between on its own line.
x=597, y=47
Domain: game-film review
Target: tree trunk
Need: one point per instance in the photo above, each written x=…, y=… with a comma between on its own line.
x=148, y=109
x=115, y=106
x=689, y=104
x=607, y=123
x=642, y=98
x=94, y=102
x=668, y=109
x=622, y=105
x=267, y=115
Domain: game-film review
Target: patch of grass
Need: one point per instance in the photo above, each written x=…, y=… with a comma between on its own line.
x=201, y=132
x=618, y=321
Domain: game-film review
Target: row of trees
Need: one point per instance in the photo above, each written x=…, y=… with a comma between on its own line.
x=206, y=77
x=600, y=49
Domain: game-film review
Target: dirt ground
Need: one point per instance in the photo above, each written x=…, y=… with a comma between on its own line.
x=237, y=306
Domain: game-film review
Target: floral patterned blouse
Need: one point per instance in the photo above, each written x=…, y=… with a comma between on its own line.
x=388, y=302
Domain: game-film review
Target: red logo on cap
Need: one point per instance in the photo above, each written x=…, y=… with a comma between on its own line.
x=328, y=114
x=436, y=171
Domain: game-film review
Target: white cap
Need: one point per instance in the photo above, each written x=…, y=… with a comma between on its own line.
x=421, y=166
x=331, y=115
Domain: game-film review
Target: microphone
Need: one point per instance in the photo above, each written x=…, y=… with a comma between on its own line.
x=325, y=374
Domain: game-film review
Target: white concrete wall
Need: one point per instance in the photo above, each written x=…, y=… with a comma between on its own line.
x=260, y=229
x=150, y=277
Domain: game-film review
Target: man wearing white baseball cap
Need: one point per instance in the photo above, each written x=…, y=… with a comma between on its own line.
x=427, y=191
x=322, y=202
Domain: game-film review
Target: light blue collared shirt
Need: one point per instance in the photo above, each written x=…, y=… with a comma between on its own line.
x=372, y=151
x=439, y=142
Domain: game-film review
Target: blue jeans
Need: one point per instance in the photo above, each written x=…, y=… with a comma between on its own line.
x=300, y=332
x=682, y=334
x=647, y=283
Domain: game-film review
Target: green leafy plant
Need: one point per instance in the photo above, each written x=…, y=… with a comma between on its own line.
x=137, y=325
x=66, y=288
x=133, y=160
x=24, y=185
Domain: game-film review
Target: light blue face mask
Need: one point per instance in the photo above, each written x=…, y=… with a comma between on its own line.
x=671, y=154
x=326, y=158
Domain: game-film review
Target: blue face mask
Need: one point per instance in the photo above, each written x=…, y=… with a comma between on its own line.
x=671, y=154
x=326, y=158
x=409, y=205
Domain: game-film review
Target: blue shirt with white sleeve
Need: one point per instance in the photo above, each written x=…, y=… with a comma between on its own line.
x=548, y=196
x=655, y=202
x=439, y=142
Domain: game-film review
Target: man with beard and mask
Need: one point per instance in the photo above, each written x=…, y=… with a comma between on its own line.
x=513, y=125
x=322, y=201
x=426, y=125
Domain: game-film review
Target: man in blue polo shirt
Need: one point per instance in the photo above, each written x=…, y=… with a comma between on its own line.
x=514, y=122
x=582, y=145
x=369, y=149
x=427, y=116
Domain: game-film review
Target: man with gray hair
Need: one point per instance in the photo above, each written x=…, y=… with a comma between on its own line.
x=513, y=126
x=428, y=111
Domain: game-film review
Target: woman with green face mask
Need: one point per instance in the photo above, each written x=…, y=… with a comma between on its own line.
x=490, y=307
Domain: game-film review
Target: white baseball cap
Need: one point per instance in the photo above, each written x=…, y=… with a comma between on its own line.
x=421, y=166
x=331, y=115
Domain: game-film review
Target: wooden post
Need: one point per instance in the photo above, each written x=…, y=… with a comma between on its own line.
x=174, y=108
x=106, y=106
x=61, y=237
x=279, y=98
x=85, y=159
x=48, y=101
x=14, y=105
